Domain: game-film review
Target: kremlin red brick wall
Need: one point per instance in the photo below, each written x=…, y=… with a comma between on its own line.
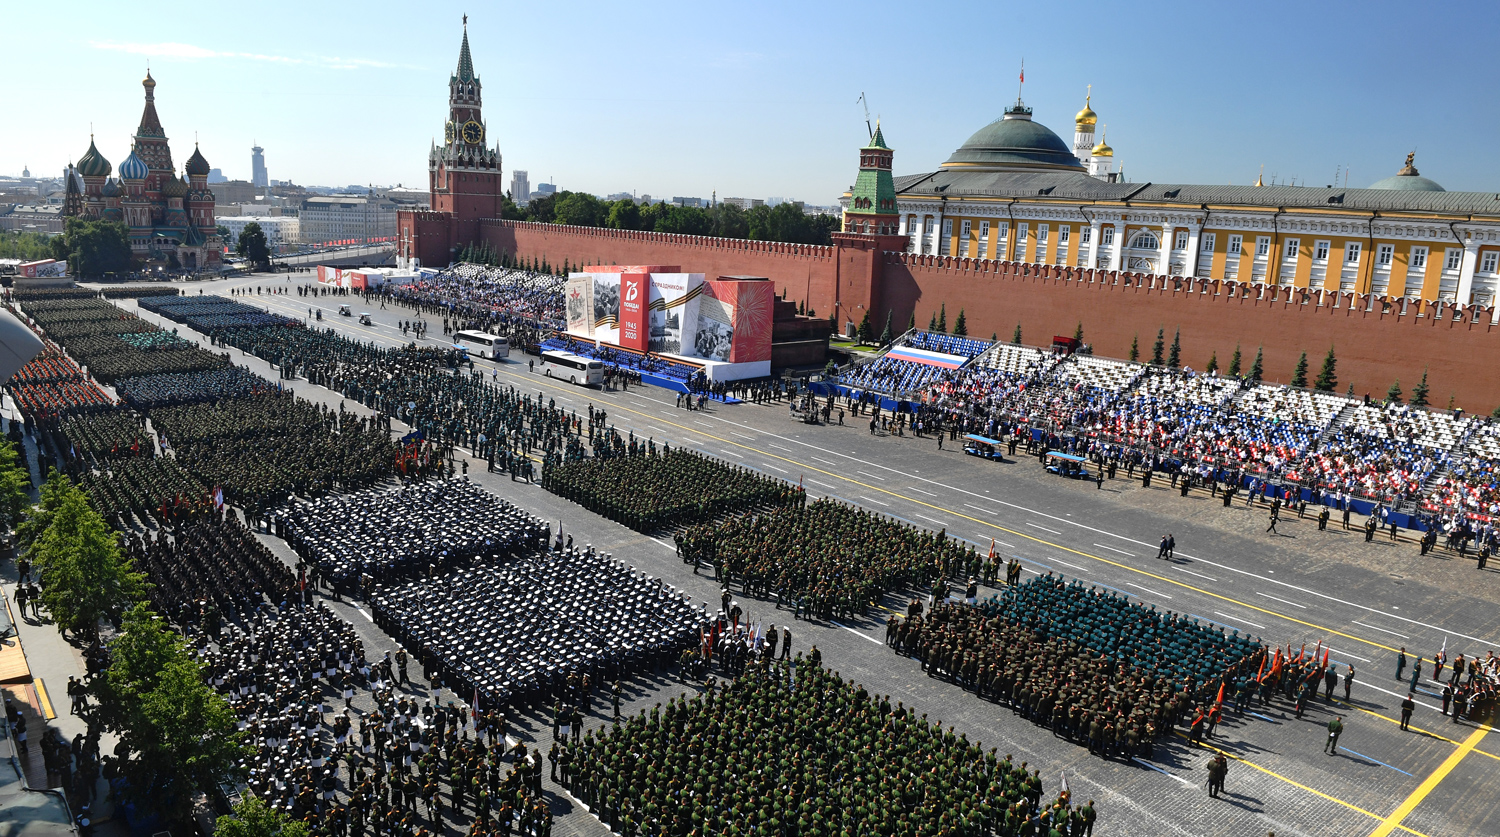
x=1373, y=348
x=804, y=271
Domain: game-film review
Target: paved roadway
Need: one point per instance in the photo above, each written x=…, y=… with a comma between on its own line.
x=1299, y=586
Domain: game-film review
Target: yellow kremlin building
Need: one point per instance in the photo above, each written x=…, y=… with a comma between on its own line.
x=1015, y=191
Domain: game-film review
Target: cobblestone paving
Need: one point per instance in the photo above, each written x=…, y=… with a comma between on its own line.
x=1364, y=600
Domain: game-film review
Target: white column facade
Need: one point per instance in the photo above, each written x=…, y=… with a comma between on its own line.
x=1195, y=233
x=1118, y=250
x=1093, y=244
x=1466, y=269
x=1164, y=257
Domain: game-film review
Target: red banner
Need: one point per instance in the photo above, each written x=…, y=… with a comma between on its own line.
x=635, y=297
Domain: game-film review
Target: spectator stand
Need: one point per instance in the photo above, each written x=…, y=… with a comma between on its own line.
x=909, y=367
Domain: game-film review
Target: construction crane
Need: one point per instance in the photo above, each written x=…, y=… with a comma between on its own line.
x=868, y=127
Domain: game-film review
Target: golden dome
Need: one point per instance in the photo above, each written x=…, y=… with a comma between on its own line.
x=148, y=82
x=1087, y=115
x=1103, y=149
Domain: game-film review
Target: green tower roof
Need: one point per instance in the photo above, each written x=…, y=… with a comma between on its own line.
x=465, y=63
x=874, y=191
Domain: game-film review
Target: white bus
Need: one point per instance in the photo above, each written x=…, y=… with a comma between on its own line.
x=577, y=370
x=481, y=344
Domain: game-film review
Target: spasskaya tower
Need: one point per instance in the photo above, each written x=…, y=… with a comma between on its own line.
x=463, y=174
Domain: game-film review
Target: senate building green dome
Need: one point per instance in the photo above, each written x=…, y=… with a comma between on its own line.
x=1408, y=180
x=1014, y=142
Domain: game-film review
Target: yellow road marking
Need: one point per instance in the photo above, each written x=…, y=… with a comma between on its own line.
x=44, y=699
x=1387, y=825
x=1269, y=772
x=1017, y=533
x=1427, y=732
x=1393, y=822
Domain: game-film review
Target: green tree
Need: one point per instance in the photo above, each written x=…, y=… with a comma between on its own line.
x=1213, y=363
x=1158, y=347
x=510, y=210
x=1078, y=332
x=85, y=576
x=1234, y=362
x=1495, y=414
x=252, y=245
x=39, y=517
x=624, y=215
x=1135, y=347
x=1393, y=395
x=729, y=221
x=580, y=209
x=684, y=220
x=911, y=322
x=787, y=222
x=542, y=209
x=1419, y=392
x=26, y=246
x=15, y=485
x=943, y=318
x=1328, y=379
x=994, y=337
x=1016, y=337
x=885, y=334
x=254, y=818
x=1299, y=375
x=932, y=325
x=1257, y=369
x=960, y=325
x=223, y=232
x=864, y=329
x=1174, y=355
x=93, y=248
x=177, y=734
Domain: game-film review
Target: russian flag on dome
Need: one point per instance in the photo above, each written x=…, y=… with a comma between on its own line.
x=923, y=356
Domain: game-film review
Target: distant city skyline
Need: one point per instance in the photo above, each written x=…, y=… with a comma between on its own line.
x=1190, y=93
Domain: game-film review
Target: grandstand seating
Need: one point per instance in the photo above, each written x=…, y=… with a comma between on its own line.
x=894, y=375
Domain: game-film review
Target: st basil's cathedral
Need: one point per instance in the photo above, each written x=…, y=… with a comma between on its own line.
x=164, y=214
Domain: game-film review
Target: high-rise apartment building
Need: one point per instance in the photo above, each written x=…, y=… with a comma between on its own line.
x=258, y=167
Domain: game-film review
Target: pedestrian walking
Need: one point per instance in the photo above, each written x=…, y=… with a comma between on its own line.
x=1161, y=550
x=1335, y=729
x=1275, y=516
x=1171, y=546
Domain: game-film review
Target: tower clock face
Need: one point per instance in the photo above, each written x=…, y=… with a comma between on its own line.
x=473, y=132
x=450, y=132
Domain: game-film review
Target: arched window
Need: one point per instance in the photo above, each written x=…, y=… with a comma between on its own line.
x=1145, y=240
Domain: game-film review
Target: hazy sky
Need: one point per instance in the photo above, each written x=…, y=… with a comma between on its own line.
x=759, y=99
